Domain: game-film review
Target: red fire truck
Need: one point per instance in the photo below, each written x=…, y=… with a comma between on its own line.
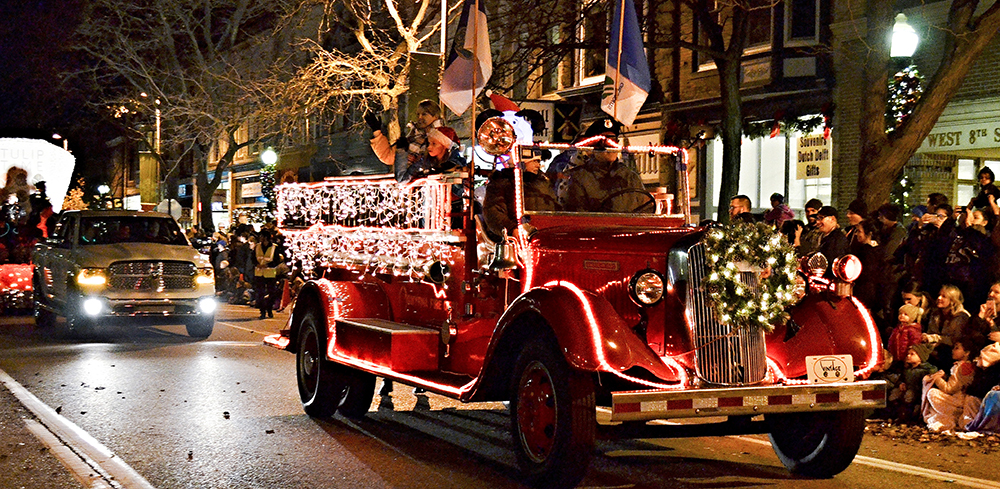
x=577, y=313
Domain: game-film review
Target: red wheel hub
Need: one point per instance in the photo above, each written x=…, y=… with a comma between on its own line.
x=536, y=412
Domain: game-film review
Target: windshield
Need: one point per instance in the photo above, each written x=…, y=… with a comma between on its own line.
x=599, y=179
x=130, y=229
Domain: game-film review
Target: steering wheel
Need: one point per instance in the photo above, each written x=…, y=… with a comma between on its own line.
x=603, y=206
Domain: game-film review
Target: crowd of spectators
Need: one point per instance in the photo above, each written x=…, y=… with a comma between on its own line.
x=932, y=283
x=251, y=267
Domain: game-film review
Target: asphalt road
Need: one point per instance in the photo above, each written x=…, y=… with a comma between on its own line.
x=224, y=413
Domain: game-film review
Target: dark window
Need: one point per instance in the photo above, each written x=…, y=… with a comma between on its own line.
x=802, y=19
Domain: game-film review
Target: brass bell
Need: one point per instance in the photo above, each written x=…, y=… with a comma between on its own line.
x=505, y=254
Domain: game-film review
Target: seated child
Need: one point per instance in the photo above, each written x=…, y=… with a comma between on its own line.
x=945, y=404
x=906, y=333
x=904, y=397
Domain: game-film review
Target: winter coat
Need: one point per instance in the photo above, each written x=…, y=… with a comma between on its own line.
x=902, y=338
x=498, y=207
x=949, y=327
x=593, y=182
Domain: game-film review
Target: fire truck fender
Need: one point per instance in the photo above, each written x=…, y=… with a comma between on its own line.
x=338, y=300
x=825, y=325
x=590, y=333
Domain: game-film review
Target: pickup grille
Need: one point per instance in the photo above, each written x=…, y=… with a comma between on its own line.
x=723, y=354
x=151, y=275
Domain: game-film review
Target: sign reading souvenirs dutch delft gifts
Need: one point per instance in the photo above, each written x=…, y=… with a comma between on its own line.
x=813, y=155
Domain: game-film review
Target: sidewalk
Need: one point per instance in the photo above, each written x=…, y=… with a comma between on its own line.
x=24, y=461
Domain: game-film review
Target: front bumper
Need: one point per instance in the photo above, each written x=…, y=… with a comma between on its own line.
x=740, y=401
x=146, y=311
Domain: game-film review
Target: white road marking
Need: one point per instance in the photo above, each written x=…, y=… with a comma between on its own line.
x=76, y=439
x=883, y=464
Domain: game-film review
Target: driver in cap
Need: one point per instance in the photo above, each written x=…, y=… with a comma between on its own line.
x=602, y=182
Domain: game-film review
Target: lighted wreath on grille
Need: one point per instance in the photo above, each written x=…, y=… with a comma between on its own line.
x=759, y=249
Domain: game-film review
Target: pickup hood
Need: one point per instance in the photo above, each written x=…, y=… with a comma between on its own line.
x=101, y=256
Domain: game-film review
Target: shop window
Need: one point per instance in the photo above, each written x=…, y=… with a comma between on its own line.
x=592, y=62
x=967, y=183
x=767, y=166
x=759, y=30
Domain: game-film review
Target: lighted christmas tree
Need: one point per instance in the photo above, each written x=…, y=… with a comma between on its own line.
x=267, y=189
x=74, y=198
x=904, y=92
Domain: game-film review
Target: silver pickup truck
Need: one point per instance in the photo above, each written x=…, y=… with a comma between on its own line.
x=125, y=268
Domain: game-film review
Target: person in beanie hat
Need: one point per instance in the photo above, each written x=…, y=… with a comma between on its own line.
x=833, y=243
x=906, y=333
x=442, y=155
x=857, y=211
x=904, y=398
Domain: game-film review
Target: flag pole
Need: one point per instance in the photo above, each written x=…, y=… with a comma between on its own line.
x=468, y=217
x=618, y=57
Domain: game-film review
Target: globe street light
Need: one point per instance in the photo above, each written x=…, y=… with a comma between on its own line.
x=904, y=38
x=269, y=156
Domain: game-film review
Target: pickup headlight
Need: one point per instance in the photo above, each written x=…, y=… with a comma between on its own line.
x=91, y=276
x=646, y=287
x=205, y=276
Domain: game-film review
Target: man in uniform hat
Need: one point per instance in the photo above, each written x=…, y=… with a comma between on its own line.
x=603, y=183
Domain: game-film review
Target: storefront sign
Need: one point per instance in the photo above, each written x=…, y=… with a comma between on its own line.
x=813, y=156
x=962, y=137
x=250, y=189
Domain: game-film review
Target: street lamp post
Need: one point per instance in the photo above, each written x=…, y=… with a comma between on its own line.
x=904, y=38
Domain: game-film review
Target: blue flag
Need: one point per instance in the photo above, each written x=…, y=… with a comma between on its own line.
x=626, y=81
x=469, y=63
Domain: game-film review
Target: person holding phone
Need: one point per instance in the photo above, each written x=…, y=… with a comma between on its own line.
x=986, y=321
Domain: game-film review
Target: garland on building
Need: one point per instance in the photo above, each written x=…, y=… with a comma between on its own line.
x=750, y=248
x=904, y=92
x=782, y=124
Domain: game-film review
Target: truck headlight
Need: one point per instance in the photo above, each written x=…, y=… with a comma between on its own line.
x=205, y=276
x=92, y=306
x=646, y=287
x=91, y=276
x=207, y=305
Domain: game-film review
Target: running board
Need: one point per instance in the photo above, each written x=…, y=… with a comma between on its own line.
x=396, y=346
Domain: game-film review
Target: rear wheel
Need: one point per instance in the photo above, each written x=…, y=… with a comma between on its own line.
x=356, y=390
x=820, y=444
x=553, y=417
x=313, y=372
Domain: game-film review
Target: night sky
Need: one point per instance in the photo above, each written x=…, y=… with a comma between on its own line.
x=35, y=52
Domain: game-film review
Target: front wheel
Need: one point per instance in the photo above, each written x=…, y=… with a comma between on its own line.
x=820, y=444
x=201, y=328
x=553, y=417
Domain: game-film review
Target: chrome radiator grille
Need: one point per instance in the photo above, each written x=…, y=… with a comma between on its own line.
x=151, y=275
x=723, y=354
